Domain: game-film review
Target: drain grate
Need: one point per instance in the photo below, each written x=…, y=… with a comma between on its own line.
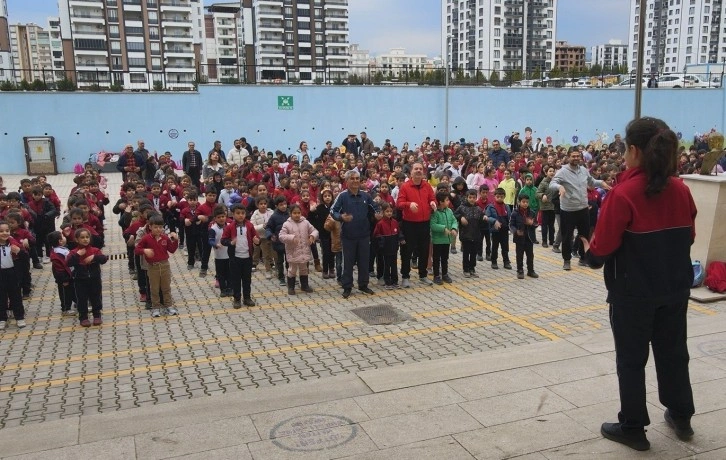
x=381, y=314
x=118, y=256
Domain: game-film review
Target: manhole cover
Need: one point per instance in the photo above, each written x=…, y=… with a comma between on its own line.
x=381, y=314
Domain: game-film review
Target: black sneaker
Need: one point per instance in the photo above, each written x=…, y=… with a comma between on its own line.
x=447, y=279
x=495, y=266
x=556, y=249
x=283, y=282
x=682, y=427
x=367, y=290
x=248, y=303
x=346, y=293
x=237, y=304
x=520, y=275
x=582, y=263
x=532, y=274
x=480, y=259
x=438, y=280
x=635, y=439
x=566, y=265
x=507, y=266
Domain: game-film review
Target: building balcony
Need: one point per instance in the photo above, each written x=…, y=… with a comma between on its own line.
x=269, y=13
x=336, y=31
x=176, y=21
x=86, y=3
x=92, y=32
x=267, y=26
x=175, y=5
x=80, y=52
x=87, y=18
x=177, y=38
x=179, y=53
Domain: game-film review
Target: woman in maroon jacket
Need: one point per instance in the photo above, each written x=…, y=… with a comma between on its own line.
x=648, y=275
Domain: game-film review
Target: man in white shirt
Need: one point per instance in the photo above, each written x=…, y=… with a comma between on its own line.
x=236, y=155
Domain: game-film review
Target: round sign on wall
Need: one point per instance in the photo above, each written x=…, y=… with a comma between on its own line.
x=173, y=133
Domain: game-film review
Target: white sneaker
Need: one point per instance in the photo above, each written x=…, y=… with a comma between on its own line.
x=381, y=282
x=68, y=313
x=155, y=313
x=172, y=311
x=3, y=325
x=268, y=275
x=46, y=260
x=426, y=281
x=21, y=323
x=406, y=283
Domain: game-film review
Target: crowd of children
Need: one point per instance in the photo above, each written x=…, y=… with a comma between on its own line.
x=270, y=211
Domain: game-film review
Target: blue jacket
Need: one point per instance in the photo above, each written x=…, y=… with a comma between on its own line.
x=493, y=217
x=361, y=206
x=499, y=156
x=518, y=222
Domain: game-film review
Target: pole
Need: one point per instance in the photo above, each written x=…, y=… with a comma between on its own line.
x=446, y=93
x=641, y=52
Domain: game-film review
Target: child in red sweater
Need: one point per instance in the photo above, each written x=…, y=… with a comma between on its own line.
x=86, y=261
x=26, y=240
x=388, y=237
x=11, y=253
x=155, y=247
x=62, y=272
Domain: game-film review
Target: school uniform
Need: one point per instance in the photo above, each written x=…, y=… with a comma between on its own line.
x=500, y=238
x=194, y=233
x=388, y=238
x=10, y=290
x=87, y=280
x=221, y=258
x=524, y=244
x=63, y=275
x=159, y=271
x=240, y=257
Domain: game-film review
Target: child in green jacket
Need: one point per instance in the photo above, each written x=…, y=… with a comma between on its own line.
x=444, y=229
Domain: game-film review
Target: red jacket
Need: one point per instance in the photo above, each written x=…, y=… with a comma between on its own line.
x=134, y=227
x=230, y=232
x=161, y=247
x=22, y=234
x=13, y=242
x=61, y=271
x=422, y=195
x=163, y=202
x=206, y=209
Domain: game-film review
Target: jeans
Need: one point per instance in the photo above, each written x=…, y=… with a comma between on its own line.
x=418, y=239
x=356, y=250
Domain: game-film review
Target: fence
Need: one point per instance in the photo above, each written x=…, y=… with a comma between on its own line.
x=187, y=77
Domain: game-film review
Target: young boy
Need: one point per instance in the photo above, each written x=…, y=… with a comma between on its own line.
x=11, y=254
x=62, y=272
x=272, y=232
x=26, y=240
x=444, y=228
x=45, y=214
x=498, y=214
x=205, y=213
x=123, y=208
x=259, y=220
x=86, y=261
x=523, y=225
x=221, y=254
x=155, y=248
x=470, y=217
x=193, y=227
x=531, y=191
x=388, y=238
x=240, y=238
x=484, y=247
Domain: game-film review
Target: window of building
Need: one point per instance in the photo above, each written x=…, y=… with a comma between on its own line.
x=138, y=77
x=134, y=46
x=89, y=44
x=137, y=62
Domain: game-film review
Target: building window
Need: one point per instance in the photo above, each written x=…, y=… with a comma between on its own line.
x=138, y=77
x=134, y=46
x=137, y=62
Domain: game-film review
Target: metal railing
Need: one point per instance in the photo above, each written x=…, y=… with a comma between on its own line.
x=232, y=70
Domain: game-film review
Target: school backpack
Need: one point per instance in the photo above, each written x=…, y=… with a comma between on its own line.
x=716, y=279
x=698, y=273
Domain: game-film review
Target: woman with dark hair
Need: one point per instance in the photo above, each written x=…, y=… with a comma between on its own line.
x=644, y=237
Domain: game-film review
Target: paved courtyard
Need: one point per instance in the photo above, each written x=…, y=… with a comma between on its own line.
x=56, y=369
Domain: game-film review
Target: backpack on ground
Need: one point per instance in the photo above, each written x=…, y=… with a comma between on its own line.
x=716, y=277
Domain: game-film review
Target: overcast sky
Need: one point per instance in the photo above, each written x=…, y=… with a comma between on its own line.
x=379, y=25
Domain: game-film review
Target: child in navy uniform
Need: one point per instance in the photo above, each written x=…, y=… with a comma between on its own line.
x=221, y=254
x=498, y=214
x=523, y=224
x=86, y=262
x=11, y=254
x=470, y=217
x=389, y=237
x=62, y=272
x=240, y=238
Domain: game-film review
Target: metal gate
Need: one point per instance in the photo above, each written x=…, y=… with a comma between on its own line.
x=40, y=155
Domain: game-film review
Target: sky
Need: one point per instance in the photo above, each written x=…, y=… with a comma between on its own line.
x=379, y=25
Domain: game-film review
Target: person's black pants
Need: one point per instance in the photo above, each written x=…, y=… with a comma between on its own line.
x=67, y=295
x=206, y=252
x=280, y=264
x=88, y=290
x=486, y=238
x=240, y=276
x=522, y=248
x=195, y=174
x=389, y=269
x=548, y=227
x=194, y=244
x=355, y=250
x=328, y=256
x=664, y=327
x=10, y=294
x=569, y=221
x=500, y=239
x=221, y=267
x=441, y=259
x=468, y=254
x=418, y=239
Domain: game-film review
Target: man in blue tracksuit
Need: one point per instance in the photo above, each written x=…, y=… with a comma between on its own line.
x=355, y=208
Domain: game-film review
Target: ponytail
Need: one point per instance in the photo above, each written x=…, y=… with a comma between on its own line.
x=659, y=147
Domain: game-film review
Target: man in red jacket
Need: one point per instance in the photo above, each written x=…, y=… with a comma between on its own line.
x=416, y=201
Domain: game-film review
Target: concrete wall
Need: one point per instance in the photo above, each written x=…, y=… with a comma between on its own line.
x=85, y=123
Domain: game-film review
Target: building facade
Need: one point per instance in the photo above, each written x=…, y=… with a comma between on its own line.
x=569, y=57
x=678, y=34
x=612, y=55
x=6, y=58
x=140, y=44
x=223, y=53
x=396, y=63
x=499, y=35
x=360, y=61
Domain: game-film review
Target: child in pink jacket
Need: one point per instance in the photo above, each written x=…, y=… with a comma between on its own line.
x=297, y=235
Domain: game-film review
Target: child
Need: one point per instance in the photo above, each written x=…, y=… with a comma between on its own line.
x=11, y=253
x=45, y=214
x=239, y=236
x=86, y=261
x=443, y=228
x=470, y=216
x=484, y=247
x=205, y=213
x=523, y=225
x=27, y=241
x=155, y=248
x=318, y=216
x=193, y=227
x=388, y=238
x=62, y=272
x=336, y=246
x=221, y=255
x=531, y=191
x=259, y=219
x=272, y=231
x=297, y=234
x=497, y=214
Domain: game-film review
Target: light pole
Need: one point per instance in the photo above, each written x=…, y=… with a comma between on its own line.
x=641, y=51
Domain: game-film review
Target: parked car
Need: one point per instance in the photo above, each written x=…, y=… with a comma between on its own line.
x=681, y=81
x=630, y=83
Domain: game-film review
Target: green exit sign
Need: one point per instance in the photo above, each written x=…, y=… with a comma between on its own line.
x=284, y=103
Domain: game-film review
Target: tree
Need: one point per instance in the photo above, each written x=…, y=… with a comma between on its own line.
x=66, y=85
x=596, y=70
x=158, y=85
x=378, y=78
x=513, y=75
x=25, y=85
x=556, y=73
x=537, y=74
x=494, y=78
x=479, y=77
x=8, y=85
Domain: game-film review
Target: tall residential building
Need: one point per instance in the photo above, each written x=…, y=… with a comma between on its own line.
x=569, y=57
x=136, y=43
x=360, y=61
x=304, y=40
x=678, y=34
x=30, y=46
x=223, y=53
x=396, y=63
x=611, y=55
x=6, y=60
x=499, y=35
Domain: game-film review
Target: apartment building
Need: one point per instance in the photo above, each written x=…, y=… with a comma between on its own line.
x=6, y=59
x=678, y=33
x=611, y=55
x=360, y=60
x=396, y=63
x=31, y=55
x=569, y=57
x=136, y=43
x=302, y=40
x=223, y=53
x=499, y=35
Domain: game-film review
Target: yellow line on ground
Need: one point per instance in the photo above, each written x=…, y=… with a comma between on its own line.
x=249, y=354
x=515, y=319
x=700, y=309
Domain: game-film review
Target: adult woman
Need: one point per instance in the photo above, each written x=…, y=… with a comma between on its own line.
x=211, y=166
x=644, y=238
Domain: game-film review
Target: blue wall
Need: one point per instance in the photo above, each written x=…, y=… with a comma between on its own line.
x=85, y=123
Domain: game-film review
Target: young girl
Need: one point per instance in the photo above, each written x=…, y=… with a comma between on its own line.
x=259, y=219
x=86, y=261
x=444, y=229
x=318, y=218
x=297, y=234
x=61, y=272
x=11, y=253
